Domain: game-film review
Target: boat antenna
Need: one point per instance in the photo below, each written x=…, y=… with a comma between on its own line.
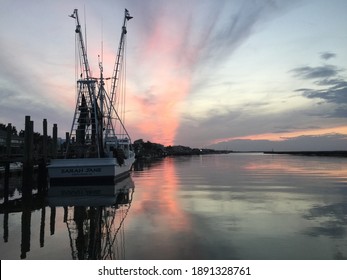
x=102, y=40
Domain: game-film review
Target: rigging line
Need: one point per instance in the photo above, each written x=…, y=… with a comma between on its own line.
x=76, y=95
x=123, y=241
x=111, y=247
x=85, y=27
x=79, y=61
x=120, y=121
x=107, y=228
x=120, y=89
x=125, y=78
x=121, y=97
x=122, y=220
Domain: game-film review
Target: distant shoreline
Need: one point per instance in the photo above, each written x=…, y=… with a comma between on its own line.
x=149, y=150
x=313, y=153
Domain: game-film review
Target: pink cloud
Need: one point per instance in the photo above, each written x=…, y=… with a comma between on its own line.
x=168, y=82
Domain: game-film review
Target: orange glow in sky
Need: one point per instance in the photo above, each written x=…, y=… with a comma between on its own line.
x=168, y=84
x=284, y=136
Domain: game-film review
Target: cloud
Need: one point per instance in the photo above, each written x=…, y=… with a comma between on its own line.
x=336, y=83
x=30, y=87
x=224, y=123
x=332, y=87
x=308, y=72
x=336, y=95
x=327, y=55
x=290, y=128
x=340, y=112
x=229, y=25
x=301, y=143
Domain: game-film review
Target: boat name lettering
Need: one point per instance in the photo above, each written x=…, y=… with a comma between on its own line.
x=81, y=170
x=93, y=170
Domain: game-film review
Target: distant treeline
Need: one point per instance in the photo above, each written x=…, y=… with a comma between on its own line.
x=3, y=128
x=154, y=150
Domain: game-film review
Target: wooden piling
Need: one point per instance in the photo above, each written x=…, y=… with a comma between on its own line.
x=44, y=143
x=7, y=178
x=28, y=165
x=42, y=170
x=7, y=164
x=67, y=141
x=52, y=220
x=42, y=227
x=26, y=229
x=55, y=140
x=6, y=225
x=27, y=186
x=8, y=140
x=28, y=140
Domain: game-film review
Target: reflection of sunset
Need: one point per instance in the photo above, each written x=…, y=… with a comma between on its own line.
x=168, y=211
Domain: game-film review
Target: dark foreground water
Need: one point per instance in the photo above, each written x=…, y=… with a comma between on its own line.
x=235, y=206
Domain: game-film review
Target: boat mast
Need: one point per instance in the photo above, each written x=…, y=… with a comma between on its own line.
x=101, y=96
x=87, y=111
x=116, y=76
x=81, y=44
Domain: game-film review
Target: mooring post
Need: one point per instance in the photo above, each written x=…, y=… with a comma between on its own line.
x=6, y=224
x=7, y=179
x=44, y=144
x=8, y=140
x=67, y=141
x=26, y=229
x=42, y=175
x=7, y=163
x=28, y=156
x=55, y=140
x=27, y=185
x=42, y=226
x=27, y=140
x=52, y=220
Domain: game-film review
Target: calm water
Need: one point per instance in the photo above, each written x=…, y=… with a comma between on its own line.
x=236, y=206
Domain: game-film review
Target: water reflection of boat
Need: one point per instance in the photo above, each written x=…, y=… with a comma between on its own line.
x=88, y=195
x=14, y=166
x=95, y=221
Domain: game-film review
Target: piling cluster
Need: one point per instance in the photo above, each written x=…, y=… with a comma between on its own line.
x=33, y=151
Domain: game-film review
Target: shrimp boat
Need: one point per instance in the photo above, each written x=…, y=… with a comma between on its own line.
x=98, y=148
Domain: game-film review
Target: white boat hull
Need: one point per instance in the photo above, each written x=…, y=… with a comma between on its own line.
x=87, y=171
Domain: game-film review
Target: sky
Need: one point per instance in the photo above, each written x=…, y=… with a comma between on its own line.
x=234, y=74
